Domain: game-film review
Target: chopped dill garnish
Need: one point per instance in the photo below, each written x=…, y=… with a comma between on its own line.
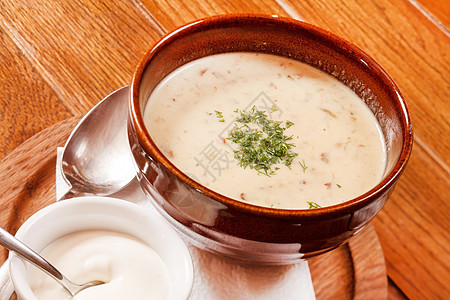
x=338, y=185
x=313, y=205
x=303, y=165
x=273, y=108
x=261, y=142
x=219, y=116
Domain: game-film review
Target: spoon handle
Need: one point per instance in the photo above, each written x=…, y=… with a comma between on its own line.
x=13, y=244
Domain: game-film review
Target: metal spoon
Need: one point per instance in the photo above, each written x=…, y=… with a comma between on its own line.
x=97, y=157
x=13, y=244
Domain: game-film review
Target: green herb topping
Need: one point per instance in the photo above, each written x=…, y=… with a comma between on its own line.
x=219, y=116
x=303, y=165
x=273, y=108
x=261, y=141
x=313, y=205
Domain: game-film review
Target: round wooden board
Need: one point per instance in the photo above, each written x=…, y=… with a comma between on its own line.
x=355, y=270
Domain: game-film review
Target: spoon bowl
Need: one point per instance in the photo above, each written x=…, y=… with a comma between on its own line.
x=96, y=159
x=13, y=244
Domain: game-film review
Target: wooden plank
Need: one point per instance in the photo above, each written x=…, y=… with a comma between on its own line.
x=414, y=230
x=411, y=49
x=174, y=13
x=29, y=179
x=328, y=269
x=368, y=267
x=22, y=87
x=394, y=293
x=435, y=9
x=366, y=280
x=84, y=49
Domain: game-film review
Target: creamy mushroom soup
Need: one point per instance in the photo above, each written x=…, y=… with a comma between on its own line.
x=267, y=130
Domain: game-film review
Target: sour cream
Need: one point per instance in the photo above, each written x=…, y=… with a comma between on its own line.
x=130, y=268
x=338, y=141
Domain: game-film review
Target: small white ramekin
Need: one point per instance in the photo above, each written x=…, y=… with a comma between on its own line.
x=85, y=213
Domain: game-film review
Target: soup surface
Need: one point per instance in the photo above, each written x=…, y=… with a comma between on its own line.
x=267, y=130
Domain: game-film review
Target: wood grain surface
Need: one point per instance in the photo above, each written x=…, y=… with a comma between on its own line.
x=437, y=11
x=59, y=58
x=353, y=271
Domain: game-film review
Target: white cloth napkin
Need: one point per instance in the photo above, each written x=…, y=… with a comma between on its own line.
x=219, y=279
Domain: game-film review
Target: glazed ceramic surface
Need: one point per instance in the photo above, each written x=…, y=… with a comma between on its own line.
x=244, y=231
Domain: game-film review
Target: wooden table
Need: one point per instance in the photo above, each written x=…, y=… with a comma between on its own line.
x=59, y=58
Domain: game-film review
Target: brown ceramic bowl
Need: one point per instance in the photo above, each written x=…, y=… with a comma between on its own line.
x=243, y=231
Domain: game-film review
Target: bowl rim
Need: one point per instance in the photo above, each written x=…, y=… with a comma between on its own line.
x=332, y=211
